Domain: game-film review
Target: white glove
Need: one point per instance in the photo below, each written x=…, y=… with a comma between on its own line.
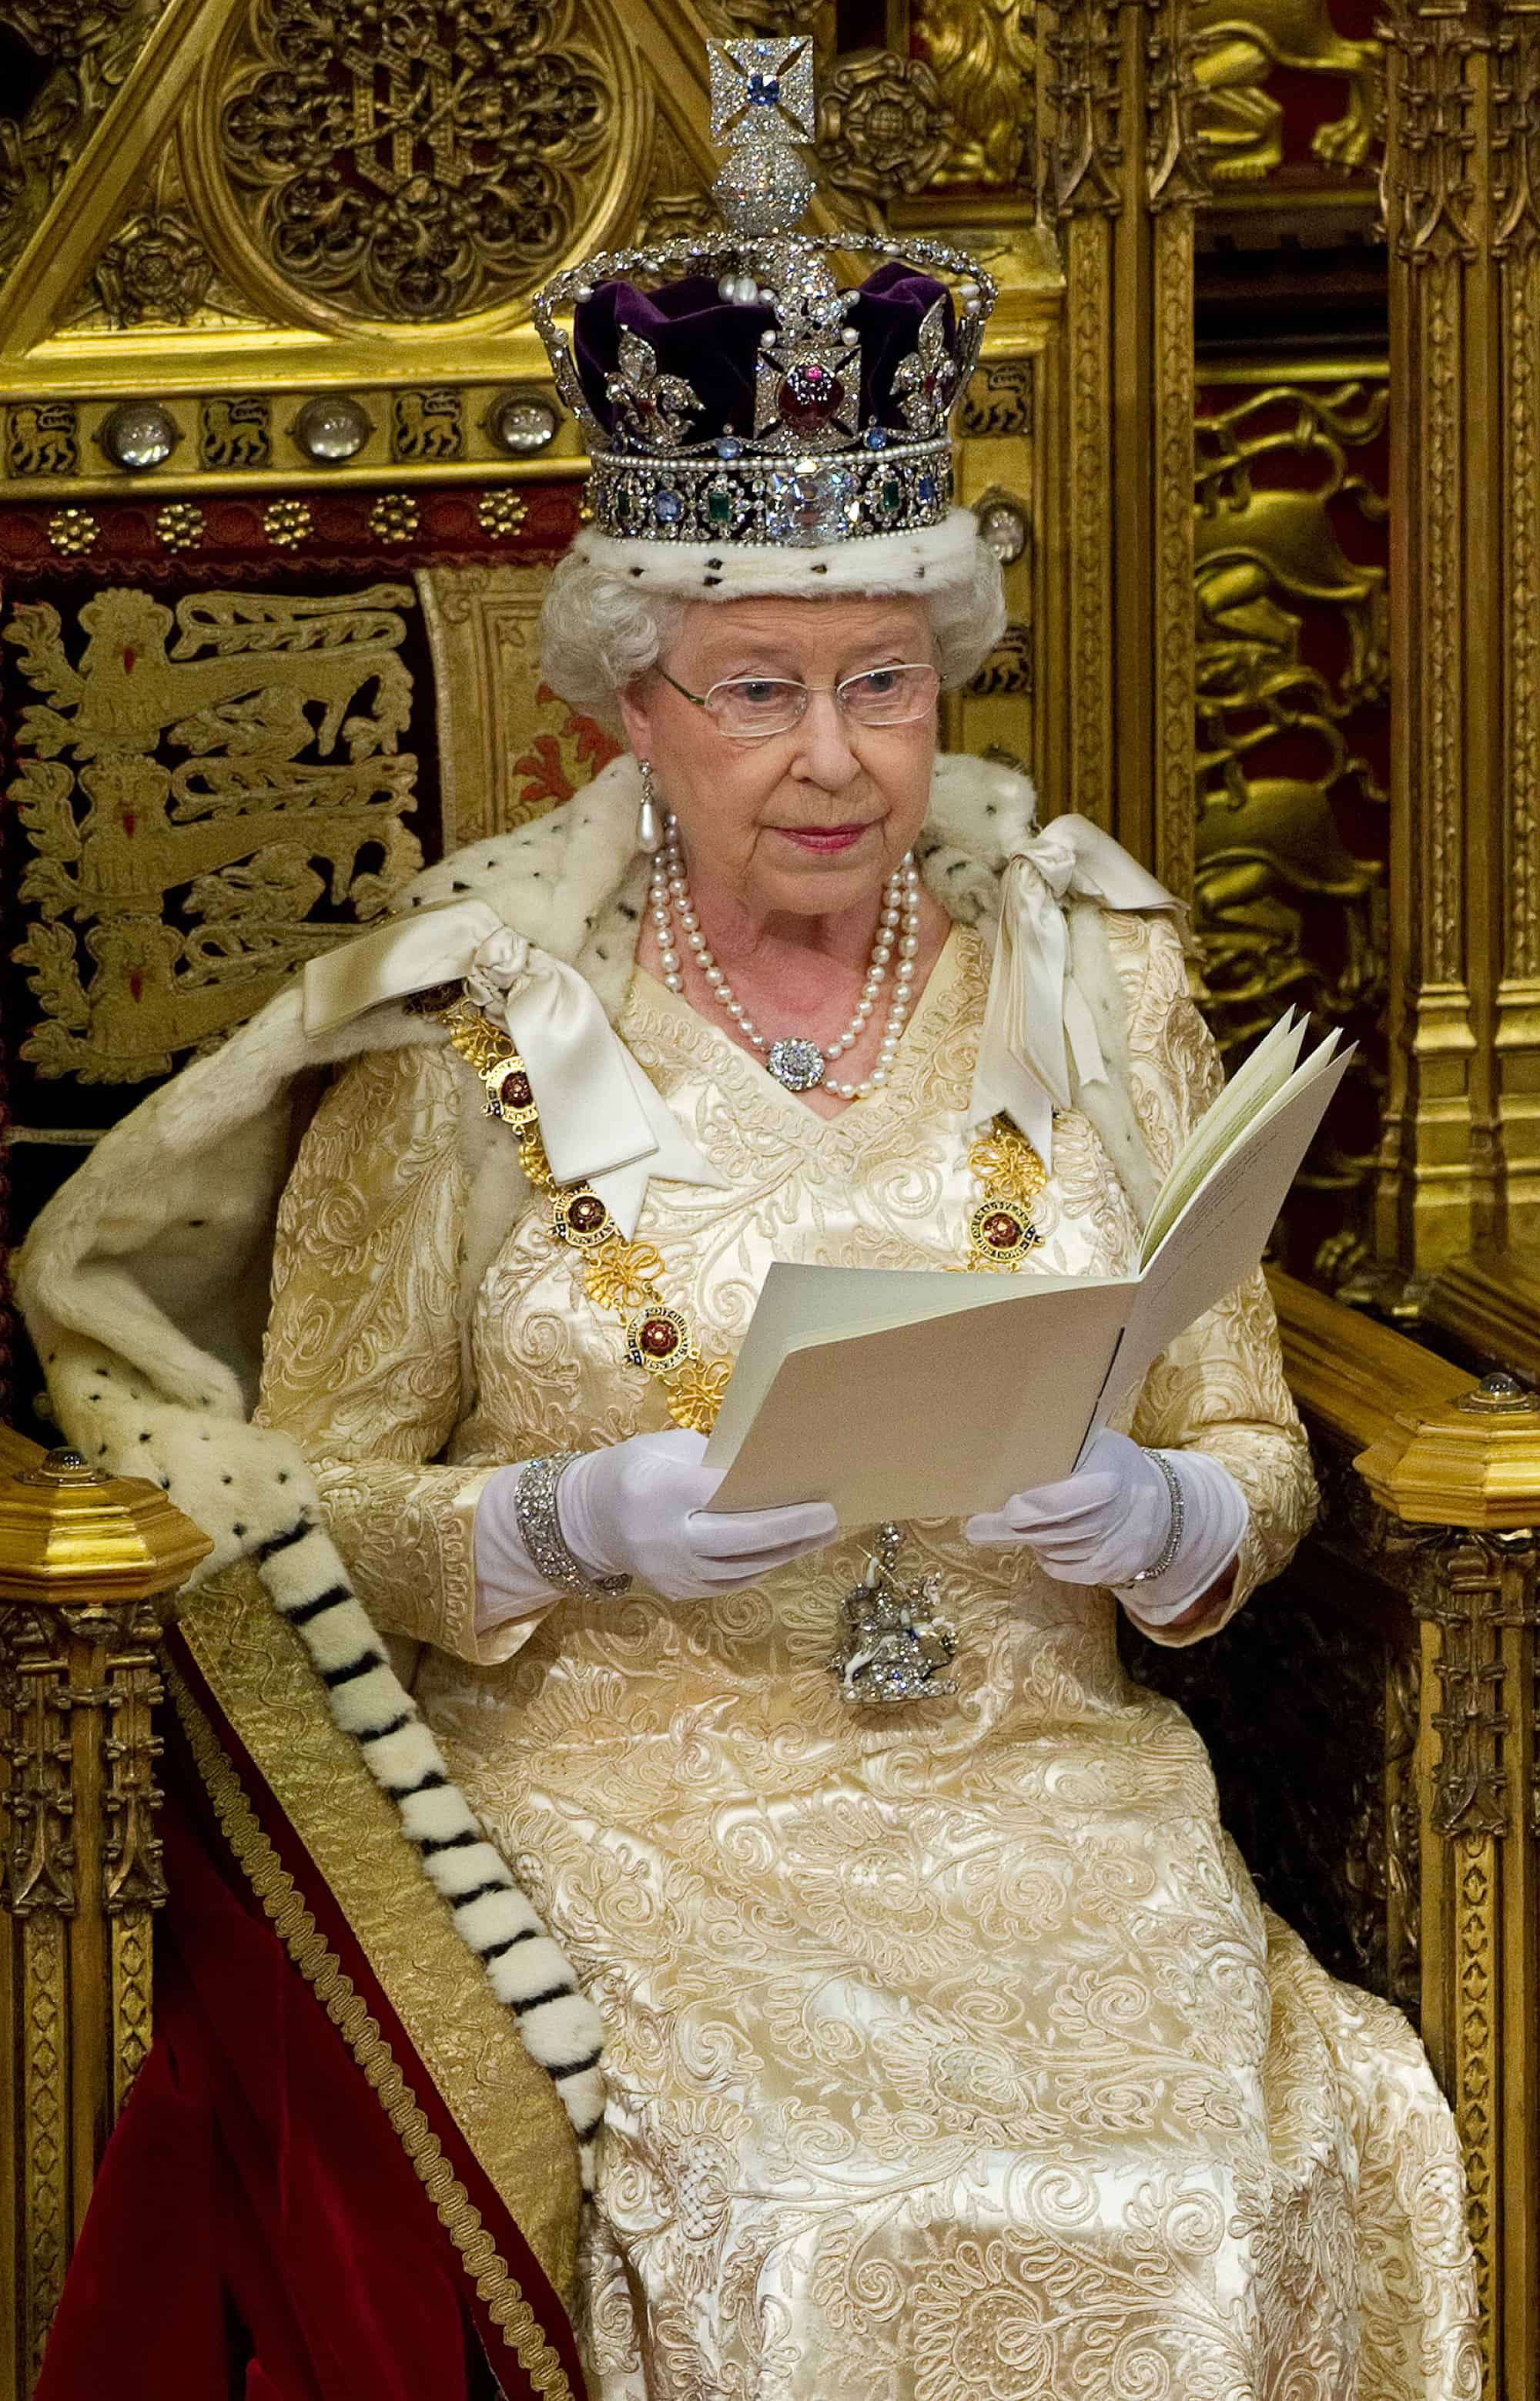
x=1111, y=1519
x=643, y=1508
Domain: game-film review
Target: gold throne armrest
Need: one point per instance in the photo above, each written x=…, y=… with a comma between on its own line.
x=86, y=1564
x=1373, y=1719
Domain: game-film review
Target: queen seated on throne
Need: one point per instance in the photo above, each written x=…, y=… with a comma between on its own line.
x=580, y=1979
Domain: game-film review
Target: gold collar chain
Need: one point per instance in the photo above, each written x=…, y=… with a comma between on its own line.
x=624, y=1275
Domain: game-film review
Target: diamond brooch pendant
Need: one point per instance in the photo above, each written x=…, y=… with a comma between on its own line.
x=796, y=1062
x=897, y=1646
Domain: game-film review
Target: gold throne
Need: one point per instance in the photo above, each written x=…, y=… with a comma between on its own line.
x=282, y=478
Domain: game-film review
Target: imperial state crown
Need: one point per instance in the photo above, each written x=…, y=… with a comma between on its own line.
x=730, y=391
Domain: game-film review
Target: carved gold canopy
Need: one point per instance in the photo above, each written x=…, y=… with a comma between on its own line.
x=226, y=209
x=217, y=216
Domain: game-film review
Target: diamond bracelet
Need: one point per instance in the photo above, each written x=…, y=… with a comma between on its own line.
x=1178, y=1522
x=535, y=1510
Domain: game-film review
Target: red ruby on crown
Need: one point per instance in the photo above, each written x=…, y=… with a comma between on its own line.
x=809, y=396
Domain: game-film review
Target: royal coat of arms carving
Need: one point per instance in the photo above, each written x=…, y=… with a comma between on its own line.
x=209, y=793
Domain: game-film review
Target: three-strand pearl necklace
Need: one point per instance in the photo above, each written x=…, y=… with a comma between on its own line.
x=795, y=1060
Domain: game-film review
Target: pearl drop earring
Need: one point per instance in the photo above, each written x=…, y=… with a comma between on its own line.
x=649, y=819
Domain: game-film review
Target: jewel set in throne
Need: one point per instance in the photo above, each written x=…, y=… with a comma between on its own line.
x=742, y=397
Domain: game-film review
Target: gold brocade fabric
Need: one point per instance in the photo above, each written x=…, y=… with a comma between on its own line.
x=952, y=2055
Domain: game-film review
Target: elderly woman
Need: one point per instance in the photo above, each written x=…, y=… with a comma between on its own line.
x=948, y=2052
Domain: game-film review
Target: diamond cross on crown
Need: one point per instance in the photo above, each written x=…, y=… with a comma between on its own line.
x=763, y=90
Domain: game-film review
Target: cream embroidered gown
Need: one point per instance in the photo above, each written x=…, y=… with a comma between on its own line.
x=951, y=2056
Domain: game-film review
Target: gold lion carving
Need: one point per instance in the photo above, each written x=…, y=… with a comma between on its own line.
x=234, y=764
x=1239, y=125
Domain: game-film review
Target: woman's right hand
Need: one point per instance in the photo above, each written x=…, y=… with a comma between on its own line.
x=643, y=1508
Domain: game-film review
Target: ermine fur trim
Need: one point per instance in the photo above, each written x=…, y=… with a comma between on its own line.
x=929, y=559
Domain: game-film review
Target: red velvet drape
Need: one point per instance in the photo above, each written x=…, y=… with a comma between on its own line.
x=257, y=2229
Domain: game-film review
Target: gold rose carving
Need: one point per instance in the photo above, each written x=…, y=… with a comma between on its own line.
x=192, y=785
x=983, y=55
x=414, y=163
x=148, y=263
x=1238, y=51
x=155, y=268
x=884, y=127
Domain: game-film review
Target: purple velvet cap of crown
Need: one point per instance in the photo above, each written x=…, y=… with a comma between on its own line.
x=713, y=343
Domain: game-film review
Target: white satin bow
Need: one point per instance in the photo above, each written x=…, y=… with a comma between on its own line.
x=602, y=1123
x=1036, y=1019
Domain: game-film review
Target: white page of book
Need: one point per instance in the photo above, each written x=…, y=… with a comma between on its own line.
x=1219, y=1237
x=912, y=1393
x=1281, y=1093
x=798, y=1305
x=938, y=1418
x=1254, y=1082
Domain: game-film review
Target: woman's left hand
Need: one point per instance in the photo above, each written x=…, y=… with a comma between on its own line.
x=1112, y=1520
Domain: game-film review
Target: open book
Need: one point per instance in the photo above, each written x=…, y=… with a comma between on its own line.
x=898, y=1392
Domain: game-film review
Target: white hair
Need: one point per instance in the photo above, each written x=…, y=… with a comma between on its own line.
x=599, y=633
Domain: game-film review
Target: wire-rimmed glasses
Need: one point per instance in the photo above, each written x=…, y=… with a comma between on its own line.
x=748, y=708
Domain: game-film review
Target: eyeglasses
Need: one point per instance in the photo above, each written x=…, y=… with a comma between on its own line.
x=750, y=707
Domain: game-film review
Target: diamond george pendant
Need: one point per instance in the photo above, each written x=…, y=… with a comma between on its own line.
x=897, y=1645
